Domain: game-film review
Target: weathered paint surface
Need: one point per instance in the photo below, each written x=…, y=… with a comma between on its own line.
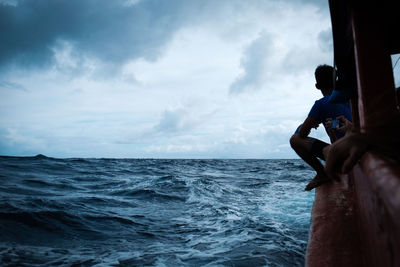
x=357, y=222
x=377, y=188
x=334, y=235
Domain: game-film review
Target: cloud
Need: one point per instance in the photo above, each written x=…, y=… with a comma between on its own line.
x=302, y=59
x=288, y=44
x=114, y=32
x=321, y=5
x=12, y=85
x=9, y=2
x=172, y=121
x=184, y=117
x=110, y=31
x=254, y=65
x=107, y=34
x=149, y=78
x=325, y=40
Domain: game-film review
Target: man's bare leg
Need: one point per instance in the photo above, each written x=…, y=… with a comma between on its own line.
x=300, y=145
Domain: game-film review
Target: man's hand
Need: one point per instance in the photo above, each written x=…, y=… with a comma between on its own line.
x=345, y=125
x=344, y=154
x=330, y=130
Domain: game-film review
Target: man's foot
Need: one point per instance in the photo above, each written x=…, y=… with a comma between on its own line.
x=317, y=181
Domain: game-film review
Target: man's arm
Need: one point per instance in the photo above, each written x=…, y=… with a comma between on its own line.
x=308, y=124
x=344, y=154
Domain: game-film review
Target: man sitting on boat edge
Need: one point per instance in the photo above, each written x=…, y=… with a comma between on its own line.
x=308, y=148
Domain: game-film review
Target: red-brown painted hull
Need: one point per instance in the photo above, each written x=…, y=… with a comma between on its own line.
x=334, y=237
x=377, y=186
x=357, y=222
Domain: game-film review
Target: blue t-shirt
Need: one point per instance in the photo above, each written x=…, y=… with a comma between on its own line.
x=323, y=110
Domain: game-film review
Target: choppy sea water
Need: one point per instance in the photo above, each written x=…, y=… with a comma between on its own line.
x=134, y=212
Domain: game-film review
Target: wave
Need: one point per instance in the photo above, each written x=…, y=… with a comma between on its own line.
x=147, y=194
x=52, y=221
x=125, y=212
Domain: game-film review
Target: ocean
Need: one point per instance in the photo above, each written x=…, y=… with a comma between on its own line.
x=153, y=212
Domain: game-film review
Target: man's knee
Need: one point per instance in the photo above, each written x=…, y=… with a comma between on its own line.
x=300, y=143
x=295, y=141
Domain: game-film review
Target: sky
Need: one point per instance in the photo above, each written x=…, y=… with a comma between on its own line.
x=157, y=78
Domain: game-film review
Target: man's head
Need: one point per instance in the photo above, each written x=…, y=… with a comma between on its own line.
x=324, y=77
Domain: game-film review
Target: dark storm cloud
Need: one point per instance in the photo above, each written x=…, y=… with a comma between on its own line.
x=111, y=31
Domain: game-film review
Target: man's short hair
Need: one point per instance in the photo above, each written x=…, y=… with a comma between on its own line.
x=324, y=77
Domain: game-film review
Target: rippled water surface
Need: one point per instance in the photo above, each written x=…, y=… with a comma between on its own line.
x=133, y=212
